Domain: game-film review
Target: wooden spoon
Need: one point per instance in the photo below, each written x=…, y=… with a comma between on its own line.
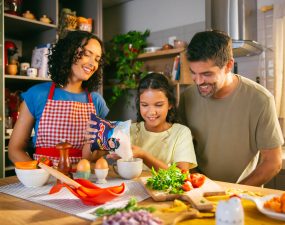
x=59, y=175
x=88, y=191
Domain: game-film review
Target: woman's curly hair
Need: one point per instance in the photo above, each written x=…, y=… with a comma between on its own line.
x=159, y=82
x=66, y=52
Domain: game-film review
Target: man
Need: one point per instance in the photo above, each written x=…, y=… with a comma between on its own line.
x=233, y=120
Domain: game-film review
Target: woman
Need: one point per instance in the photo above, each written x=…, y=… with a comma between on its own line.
x=61, y=109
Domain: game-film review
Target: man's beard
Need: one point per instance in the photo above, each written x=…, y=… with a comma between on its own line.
x=208, y=94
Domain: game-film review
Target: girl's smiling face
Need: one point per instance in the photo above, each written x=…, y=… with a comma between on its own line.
x=154, y=107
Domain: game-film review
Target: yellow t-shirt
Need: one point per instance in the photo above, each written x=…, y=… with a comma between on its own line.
x=172, y=145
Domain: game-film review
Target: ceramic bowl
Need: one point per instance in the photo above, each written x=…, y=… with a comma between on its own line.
x=180, y=44
x=152, y=49
x=32, y=178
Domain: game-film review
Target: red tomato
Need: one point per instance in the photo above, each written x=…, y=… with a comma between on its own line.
x=184, y=171
x=187, y=186
x=197, y=179
x=188, y=178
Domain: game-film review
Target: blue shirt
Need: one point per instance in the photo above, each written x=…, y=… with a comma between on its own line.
x=36, y=98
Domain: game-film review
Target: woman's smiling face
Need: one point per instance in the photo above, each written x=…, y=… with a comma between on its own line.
x=85, y=67
x=154, y=108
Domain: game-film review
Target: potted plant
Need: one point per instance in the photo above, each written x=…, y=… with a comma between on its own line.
x=122, y=66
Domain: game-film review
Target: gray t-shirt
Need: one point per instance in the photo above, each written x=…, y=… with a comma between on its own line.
x=229, y=132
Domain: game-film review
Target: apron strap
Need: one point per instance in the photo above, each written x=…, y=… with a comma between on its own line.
x=51, y=91
x=52, y=88
x=53, y=152
x=89, y=96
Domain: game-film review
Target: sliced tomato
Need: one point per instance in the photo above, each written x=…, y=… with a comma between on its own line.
x=187, y=186
x=197, y=179
x=117, y=189
x=45, y=160
x=86, y=183
x=56, y=188
x=99, y=196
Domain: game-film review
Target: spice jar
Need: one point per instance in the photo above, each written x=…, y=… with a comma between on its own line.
x=64, y=165
x=84, y=24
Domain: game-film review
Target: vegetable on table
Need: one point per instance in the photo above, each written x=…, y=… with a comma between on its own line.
x=130, y=206
x=141, y=217
x=45, y=160
x=276, y=204
x=175, y=181
x=33, y=164
x=89, y=193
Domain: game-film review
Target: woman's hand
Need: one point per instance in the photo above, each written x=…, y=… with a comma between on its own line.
x=113, y=156
x=90, y=132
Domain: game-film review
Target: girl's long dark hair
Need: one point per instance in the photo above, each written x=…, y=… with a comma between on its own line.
x=65, y=52
x=159, y=82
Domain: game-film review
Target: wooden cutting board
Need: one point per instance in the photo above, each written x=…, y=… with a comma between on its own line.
x=196, y=196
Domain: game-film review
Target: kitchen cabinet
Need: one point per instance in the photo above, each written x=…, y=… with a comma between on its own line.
x=30, y=33
x=162, y=61
x=278, y=182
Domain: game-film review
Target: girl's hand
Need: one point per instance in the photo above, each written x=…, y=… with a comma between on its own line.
x=137, y=152
x=90, y=132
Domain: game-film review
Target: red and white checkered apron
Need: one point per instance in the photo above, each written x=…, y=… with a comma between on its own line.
x=62, y=120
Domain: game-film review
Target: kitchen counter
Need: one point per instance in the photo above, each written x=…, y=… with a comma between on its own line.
x=16, y=211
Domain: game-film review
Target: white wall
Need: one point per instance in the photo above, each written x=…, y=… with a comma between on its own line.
x=155, y=15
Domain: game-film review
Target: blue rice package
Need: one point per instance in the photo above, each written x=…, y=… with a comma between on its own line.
x=112, y=136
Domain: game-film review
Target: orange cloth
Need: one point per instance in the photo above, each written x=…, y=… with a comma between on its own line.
x=252, y=215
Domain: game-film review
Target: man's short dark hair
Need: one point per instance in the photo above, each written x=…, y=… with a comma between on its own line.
x=210, y=45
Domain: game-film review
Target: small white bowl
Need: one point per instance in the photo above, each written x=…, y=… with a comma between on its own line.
x=152, y=49
x=32, y=178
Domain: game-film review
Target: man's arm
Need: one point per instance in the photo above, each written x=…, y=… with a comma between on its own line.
x=269, y=166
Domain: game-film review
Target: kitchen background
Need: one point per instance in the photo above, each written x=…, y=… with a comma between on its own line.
x=168, y=20
x=182, y=19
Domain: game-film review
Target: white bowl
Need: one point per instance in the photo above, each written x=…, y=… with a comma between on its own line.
x=152, y=49
x=32, y=178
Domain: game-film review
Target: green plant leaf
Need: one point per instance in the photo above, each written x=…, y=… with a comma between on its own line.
x=121, y=54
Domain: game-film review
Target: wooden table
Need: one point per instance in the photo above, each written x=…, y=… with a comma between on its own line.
x=18, y=211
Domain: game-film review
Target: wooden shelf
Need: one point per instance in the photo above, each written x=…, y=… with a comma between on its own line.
x=162, y=62
x=20, y=77
x=161, y=53
x=9, y=168
x=19, y=27
x=28, y=34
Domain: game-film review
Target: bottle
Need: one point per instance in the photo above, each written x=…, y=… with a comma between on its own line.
x=64, y=164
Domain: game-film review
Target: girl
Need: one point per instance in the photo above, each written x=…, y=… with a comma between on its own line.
x=61, y=109
x=156, y=137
